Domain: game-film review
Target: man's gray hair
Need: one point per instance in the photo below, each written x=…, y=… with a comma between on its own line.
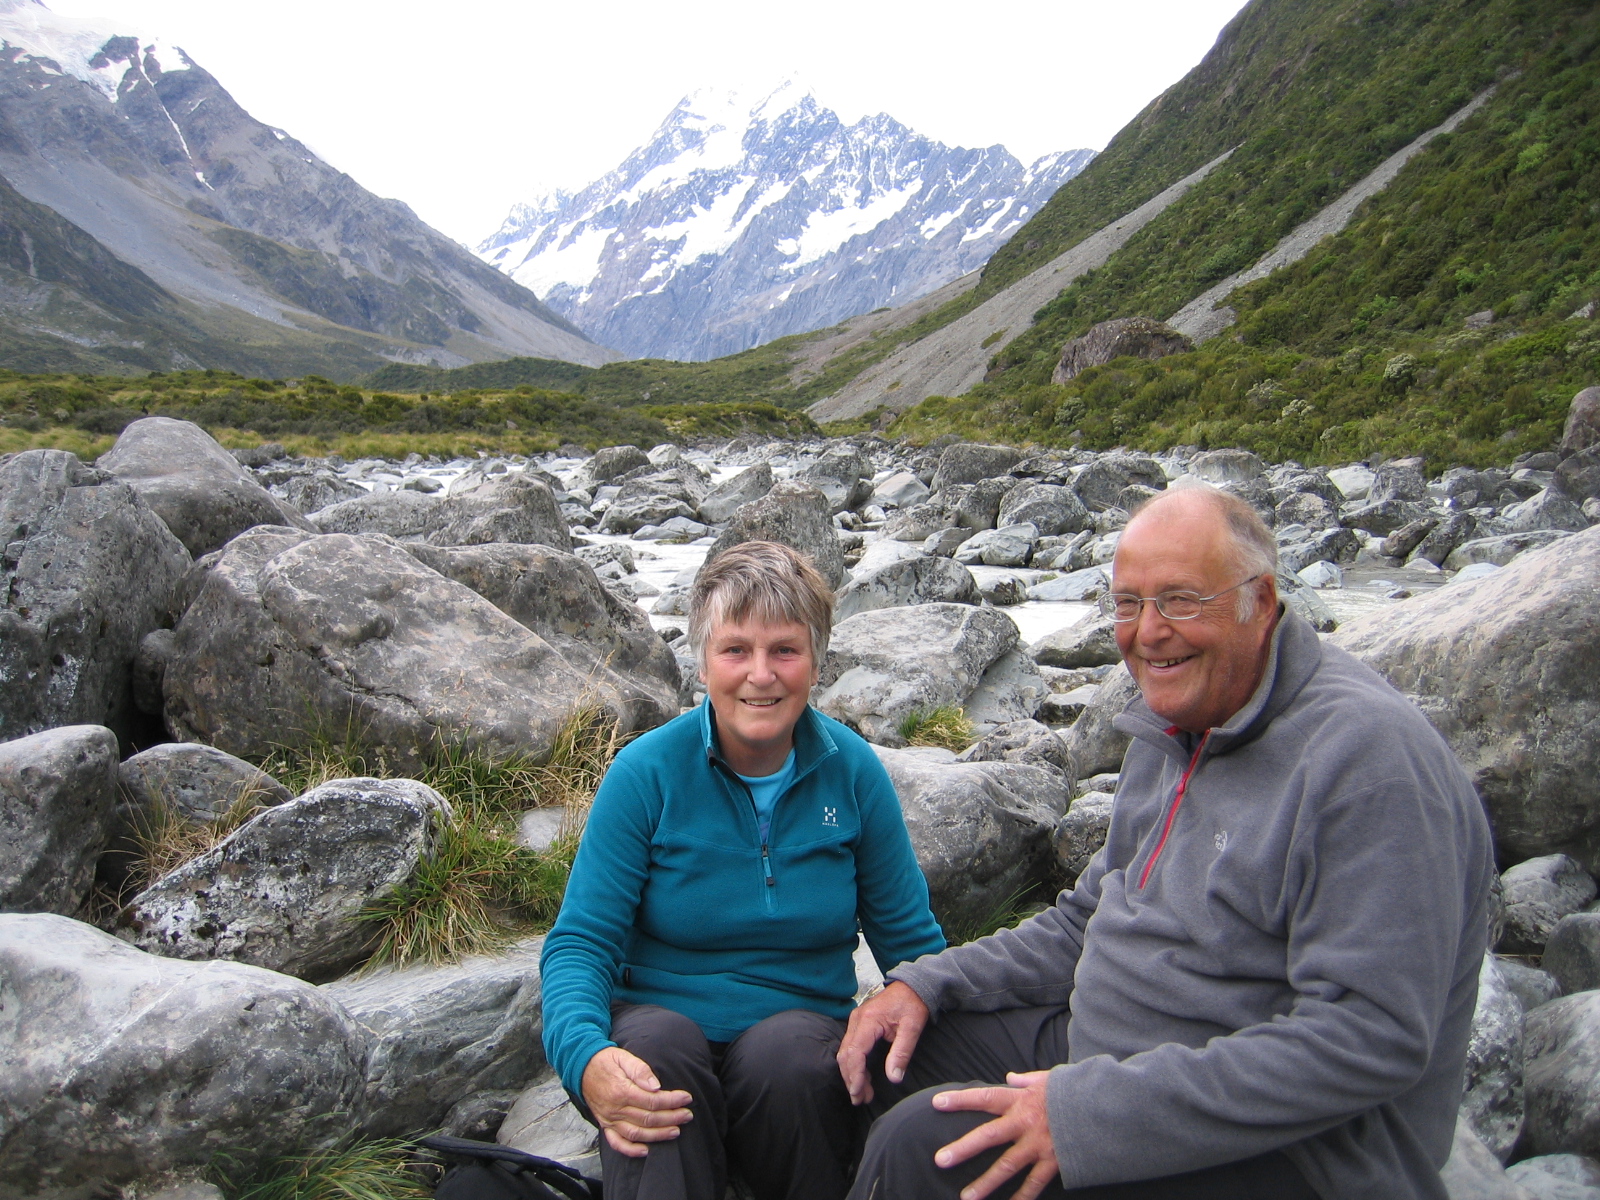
x=1255, y=549
x=764, y=581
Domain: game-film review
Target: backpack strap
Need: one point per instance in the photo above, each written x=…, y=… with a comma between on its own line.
x=570, y=1183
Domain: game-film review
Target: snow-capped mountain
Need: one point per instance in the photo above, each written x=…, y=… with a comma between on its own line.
x=738, y=224
x=165, y=226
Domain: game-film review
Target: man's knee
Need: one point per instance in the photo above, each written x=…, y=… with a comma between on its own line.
x=903, y=1141
x=670, y=1042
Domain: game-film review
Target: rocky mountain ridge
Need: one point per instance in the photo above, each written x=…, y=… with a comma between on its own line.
x=735, y=224
x=259, y=253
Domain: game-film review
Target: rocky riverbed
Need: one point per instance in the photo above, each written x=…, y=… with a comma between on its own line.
x=176, y=613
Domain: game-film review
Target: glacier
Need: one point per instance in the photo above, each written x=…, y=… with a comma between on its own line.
x=737, y=223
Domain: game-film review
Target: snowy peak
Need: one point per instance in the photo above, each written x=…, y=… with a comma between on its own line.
x=103, y=58
x=739, y=222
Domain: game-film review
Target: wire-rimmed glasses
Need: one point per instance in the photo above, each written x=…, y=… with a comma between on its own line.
x=1123, y=607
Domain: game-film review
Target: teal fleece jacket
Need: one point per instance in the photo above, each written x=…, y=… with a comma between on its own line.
x=674, y=900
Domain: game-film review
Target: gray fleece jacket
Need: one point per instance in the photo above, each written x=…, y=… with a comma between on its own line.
x=1277, y=948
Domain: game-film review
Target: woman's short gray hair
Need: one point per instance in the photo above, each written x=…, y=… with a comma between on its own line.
x=765, y=581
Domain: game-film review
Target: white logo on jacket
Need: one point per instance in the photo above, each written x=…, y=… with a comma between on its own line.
x=830, y=816
x=1221, y=841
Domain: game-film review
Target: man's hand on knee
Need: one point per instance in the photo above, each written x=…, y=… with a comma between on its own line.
x=626, y=1098
x=896, y=1013
x=1022, y=1124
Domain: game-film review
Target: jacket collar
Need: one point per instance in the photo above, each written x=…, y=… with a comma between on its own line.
x=1293, y=656
x=812, y=741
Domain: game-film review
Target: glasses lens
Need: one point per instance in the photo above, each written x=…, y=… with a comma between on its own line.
x=1179, y=606
x=1120, y=608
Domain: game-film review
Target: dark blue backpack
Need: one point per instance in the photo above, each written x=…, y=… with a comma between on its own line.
x=488, y=1171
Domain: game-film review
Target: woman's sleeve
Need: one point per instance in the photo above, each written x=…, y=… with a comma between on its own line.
x=891, y=893
x=583, y=952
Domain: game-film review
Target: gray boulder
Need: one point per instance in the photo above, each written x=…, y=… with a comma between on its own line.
x=1102, y=482
x=1547, y=508
x=1398, y=479
x=1093, y=741
x=1337, y=545
x=1136, y=337
x=194, y=781
x=1382, y=517
x=1218, y=467
x=843, y=476
x=443, y=1033
x=1408, y=537
x=1292, y=590
x=724, y=500
x=1075, y=587
x=884, y=665
x=1437, y=544
x=118, y=1065
x=1538, y=893
x=284, y=889
x=315, y=491
x=1532, y=985
x=968, y=462
x=1501, y=548
x=976, y=505
x=1354, y=482
x=1050, y=509
x=981, y=830
x=202, y=493
x=560, y=598
x=1091, y=642
x=1492, y=1091
x=1305, y=508
x=404, y=514
x=514, y=508
x=1582, y=429
x=795, y=514
x=1081, y=832
x=612, y=461
x=1011, y=690
x=921, y=579
x=296, y=639
x=1561, y=1048
x=1578, y=475
x=86, y=571
x=1023, y=741
x=150, y=670
x=920, y=522
x=545, y=1122
x=1472, y=1172
x=57, y=814
x=1572, y=952
x=1002, y=591
x=1008, y=547
x=1504, y=667
x=1558, y=1177
x=900, y=490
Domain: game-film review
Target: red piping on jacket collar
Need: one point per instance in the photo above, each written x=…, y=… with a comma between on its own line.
x=1172, y=813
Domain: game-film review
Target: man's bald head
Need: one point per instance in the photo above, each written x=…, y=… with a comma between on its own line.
x=1250, y=543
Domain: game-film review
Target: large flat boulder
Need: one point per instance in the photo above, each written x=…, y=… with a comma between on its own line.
x=116, y=1065
x=724, y=500
x=559, y=597
x=87, y=569
x=884, y=665
x=57, y=813
x=982, y=831
x=914, y=579
x=202, y=493
x=517, y=508
x=968, y=462
x=292, y=639
x=1507, y=668
x=285, y=889
x=441, y=1033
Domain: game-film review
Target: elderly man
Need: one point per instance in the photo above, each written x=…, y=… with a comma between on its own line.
x=1262, y=986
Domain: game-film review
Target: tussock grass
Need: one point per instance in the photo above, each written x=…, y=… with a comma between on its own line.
x=167, y=839
x=1014, y=909
x=945, y=726
x=480, y=888
x=368, y=1170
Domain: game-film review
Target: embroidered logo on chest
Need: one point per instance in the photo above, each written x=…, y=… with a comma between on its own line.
x=830, y=816
x=1221, y=841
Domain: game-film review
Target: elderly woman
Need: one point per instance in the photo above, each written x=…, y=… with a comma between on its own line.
x=696, y=981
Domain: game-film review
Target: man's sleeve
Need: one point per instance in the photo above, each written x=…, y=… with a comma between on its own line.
x=1031, y=964
x=1375, y=946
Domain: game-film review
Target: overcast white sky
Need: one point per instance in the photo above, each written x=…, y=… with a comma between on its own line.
x=463, y=107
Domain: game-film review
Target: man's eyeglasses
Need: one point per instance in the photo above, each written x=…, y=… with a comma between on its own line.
x=1175, y=606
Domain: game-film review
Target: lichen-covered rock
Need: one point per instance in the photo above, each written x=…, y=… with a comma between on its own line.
x=1538, y=893
x=1101, y=482
x=795, y=514
x=1558, y=1177
x=1093, y=741
x=1082, y=831
x=194, y=781
x=1050, y=509
x=1507, y=668
x=86, y=571
x=1501, y=548
x=1011, y=690
x=544, y=1121
x=968, y=462
x=1137, y=337
x=1561, y=1052
x=1090, y=642
x=116, y=1065
x=443, y=1033
x=1572, y=952
x=981, y=830
x=1492, y=1090
x=1472, y=1172
x=842, y=475
x=292, y=639
x=202, y=493
x=884, y=665
x=914, y=579
x=748, y=485
x=284, y=890
x=57, y=813
x=1023, y=741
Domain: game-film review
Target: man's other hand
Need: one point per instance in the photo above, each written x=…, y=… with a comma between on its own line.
x=1021, y=1123
x=626, y=1098
x=897, y=1013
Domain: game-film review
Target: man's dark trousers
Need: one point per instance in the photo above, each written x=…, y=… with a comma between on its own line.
x=771, y=1104
x=970, y=1049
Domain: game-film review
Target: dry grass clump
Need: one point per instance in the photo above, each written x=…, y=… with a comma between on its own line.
x=167, y=838
x=946, y=726
x=370, y=1170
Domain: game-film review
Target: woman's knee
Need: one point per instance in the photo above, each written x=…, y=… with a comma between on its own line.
x=669, y=1041
x=794, y=1051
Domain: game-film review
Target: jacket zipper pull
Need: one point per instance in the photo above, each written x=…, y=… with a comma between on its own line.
x=766, y=865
